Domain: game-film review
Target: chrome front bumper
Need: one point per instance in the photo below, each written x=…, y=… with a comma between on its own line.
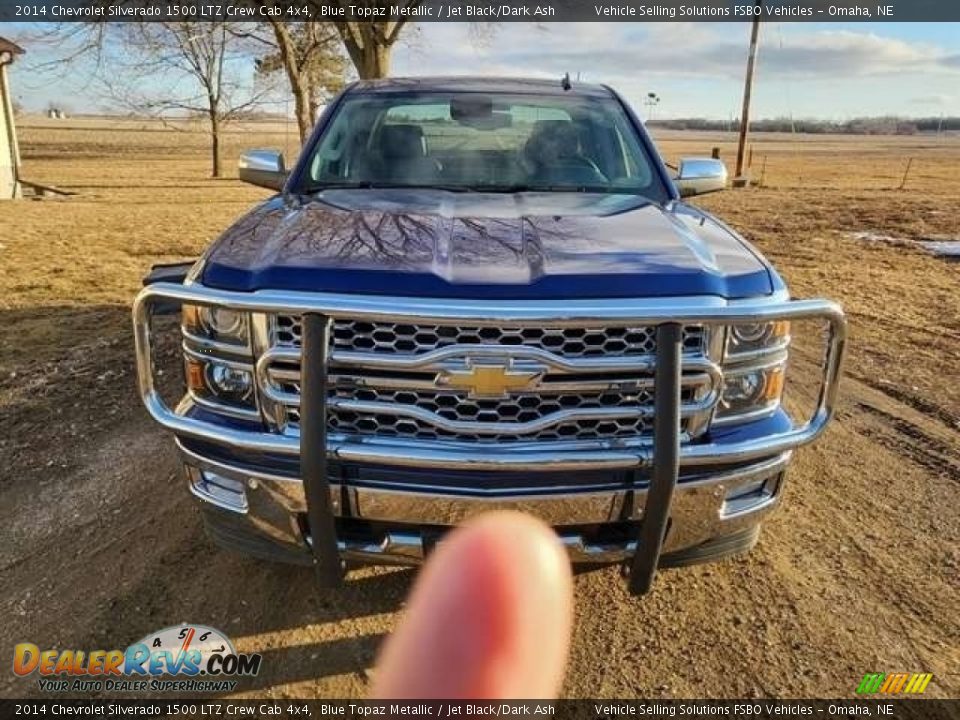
x=270, y=508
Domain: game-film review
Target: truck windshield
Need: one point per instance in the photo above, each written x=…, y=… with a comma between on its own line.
x=482, y=142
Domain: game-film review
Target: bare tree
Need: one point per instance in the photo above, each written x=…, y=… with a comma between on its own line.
x=310, y=56
x=181, y=69
x=185, y=68
x=370, y=43
x=313, y=64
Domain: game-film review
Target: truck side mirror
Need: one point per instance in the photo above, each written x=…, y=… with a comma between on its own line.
x=263, y=168
x=697, y=176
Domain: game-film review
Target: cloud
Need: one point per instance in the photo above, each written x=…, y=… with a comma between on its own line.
x=938, y=99
x=697, y=67
x=846, y=54
x=616, y=51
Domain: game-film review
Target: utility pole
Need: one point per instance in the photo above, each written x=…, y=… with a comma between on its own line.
x=739, y=179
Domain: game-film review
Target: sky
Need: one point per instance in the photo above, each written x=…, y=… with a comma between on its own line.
x=824, y=70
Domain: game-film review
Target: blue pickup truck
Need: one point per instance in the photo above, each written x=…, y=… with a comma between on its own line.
x=474, y=293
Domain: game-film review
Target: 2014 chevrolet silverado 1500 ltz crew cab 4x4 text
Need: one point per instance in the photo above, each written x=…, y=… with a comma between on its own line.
x=474, y=294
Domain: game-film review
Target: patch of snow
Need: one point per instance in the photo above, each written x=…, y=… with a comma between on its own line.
x=943, y=248
x=876, y=237
x=947, y=249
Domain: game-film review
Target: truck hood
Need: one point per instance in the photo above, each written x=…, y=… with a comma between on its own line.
x=434, y=243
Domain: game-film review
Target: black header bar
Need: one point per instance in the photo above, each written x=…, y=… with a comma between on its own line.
x=214, y=708
x=477, y=10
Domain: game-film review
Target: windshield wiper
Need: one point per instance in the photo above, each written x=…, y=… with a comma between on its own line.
x=524, y=188
x=374, y=185
x=496, y=189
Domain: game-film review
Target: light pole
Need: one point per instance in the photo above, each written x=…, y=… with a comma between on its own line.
x=739, y=180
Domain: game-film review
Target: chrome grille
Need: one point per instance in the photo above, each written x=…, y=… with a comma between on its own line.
x=579, y=397
x=388, y=337
x=384, y=425
x=460, y=408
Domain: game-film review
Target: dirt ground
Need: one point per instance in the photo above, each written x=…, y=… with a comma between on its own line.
x=858, y=572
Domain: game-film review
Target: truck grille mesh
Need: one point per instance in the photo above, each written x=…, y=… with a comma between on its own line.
x=458, y=407
x=438, y=408
x=394, y=426
x=381, y=337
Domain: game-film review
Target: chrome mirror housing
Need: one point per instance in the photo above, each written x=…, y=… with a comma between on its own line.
x=698, y=176
x=263, y=168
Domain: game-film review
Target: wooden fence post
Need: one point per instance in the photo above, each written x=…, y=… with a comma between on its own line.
x=906, y=174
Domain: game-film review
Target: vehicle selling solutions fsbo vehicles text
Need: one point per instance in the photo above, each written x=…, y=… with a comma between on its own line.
x=639, y=12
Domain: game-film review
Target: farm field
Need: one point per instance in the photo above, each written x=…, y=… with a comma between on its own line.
x=857, y=572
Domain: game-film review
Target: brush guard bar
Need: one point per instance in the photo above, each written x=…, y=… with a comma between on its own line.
x=665, y=457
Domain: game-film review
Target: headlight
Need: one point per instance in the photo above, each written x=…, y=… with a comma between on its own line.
x=228, y=382
x=756, y=338
x=753, y=370
x=753, y=390
x=219, y=381
x=218, y=324
x=218, y=359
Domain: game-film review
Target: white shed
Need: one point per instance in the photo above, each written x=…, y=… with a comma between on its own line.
x=9, y=151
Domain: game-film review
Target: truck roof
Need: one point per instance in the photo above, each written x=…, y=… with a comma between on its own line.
x=453, y=83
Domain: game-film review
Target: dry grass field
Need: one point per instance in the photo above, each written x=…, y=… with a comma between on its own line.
x=857, y=572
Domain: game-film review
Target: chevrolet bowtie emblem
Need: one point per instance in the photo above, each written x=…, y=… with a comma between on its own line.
x=488, y=380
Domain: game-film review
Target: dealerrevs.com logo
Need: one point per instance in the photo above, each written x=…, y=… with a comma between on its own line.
x=185, y=658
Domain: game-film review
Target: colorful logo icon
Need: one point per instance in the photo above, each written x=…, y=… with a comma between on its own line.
x=893, y=683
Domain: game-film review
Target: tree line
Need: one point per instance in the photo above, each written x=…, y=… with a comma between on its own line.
x=889, y=125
